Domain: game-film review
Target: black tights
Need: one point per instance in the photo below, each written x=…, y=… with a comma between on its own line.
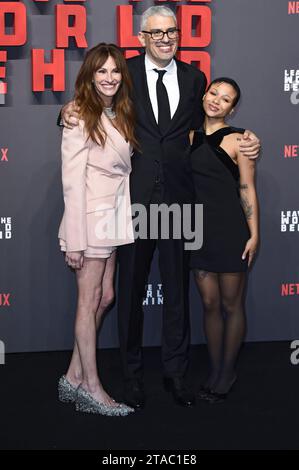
x=224, y=332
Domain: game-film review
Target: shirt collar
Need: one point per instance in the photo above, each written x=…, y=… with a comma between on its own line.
x=149, y=65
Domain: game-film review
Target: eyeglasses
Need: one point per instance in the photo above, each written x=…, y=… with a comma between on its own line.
x=158, y=35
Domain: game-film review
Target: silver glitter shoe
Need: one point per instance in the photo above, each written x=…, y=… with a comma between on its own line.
x=87, y=404
x=66, y=391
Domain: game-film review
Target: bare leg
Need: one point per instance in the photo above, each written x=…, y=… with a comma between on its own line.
x=74, y=373
x=108, y=289
x=89, y=280
x=208, y=287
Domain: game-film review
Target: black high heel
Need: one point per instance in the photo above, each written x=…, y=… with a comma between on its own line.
x=216, y=397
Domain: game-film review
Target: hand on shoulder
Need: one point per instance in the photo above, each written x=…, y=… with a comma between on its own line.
x=70, y=115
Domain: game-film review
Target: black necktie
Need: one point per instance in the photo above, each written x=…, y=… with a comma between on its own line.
x=164, y=116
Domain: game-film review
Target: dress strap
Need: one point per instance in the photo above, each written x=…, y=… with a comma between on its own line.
x=216, y=138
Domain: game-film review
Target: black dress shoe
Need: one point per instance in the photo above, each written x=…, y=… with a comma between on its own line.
x=134, y=394
x=180, y=393
x=204, y=392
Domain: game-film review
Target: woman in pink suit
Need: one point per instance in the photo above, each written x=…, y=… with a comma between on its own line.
x=97, y=218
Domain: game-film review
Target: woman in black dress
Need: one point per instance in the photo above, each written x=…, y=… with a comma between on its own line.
x=224, y=184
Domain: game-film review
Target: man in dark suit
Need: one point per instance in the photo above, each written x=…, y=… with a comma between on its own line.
x=160, y=174
x=168, y=100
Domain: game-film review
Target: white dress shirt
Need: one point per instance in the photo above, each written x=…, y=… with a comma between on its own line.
x=170, y=80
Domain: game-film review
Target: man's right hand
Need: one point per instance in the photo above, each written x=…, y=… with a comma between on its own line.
x=70, y=115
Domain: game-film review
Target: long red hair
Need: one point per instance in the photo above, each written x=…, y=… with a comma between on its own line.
x=90, y=103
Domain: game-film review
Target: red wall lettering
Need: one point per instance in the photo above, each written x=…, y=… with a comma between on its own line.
x=131, y=53
x=201, y=58
x=19, y=35
x=40, y=69
x=185, y=15
x=159, y=1
x=3, y=86
x=71, y=22
x=64, y=31
x=73, y=1
x=125, y=27
x=203, y=36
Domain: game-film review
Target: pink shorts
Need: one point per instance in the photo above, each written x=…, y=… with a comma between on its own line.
x=93, y=251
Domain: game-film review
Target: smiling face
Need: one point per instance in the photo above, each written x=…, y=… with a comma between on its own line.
x=219, y=100
x=107, y=80
x=160, y=52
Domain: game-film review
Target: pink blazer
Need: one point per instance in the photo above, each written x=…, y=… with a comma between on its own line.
x=96, y=190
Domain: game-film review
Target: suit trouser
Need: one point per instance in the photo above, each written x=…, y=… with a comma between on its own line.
x=134, y=267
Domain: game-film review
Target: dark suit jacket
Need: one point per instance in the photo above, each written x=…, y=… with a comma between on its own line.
x=171, y=149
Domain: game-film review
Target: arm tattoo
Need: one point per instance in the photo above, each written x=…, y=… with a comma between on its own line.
x=247, y=207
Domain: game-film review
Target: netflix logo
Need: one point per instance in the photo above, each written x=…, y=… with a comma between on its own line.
x=3, y=154
x=293, y=8
x=153, y=296
x=291, y=151
x=4, y=300
x=5, y=228
x=288, y=289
